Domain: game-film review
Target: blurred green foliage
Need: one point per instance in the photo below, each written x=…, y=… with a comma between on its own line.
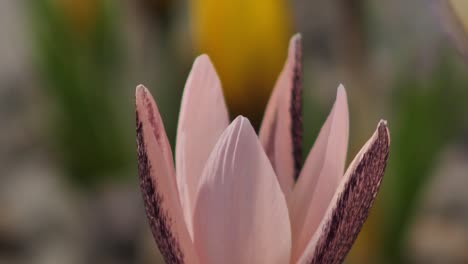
x=429, y=113
x=81, y=65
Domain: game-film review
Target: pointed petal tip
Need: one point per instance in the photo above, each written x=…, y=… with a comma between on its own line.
x=295, y=47
x=140, y=90
x=203, y=58
x=383, y=123
x=296, y=42
x=341, y=102
x=296, y=37
x=240, y=118
x=243, y=123
x=341, y=99
x=204, y=70
x=341, y=91
x=382, y=127
x=144, y=99
x=141, y=96
x=200, y=64
x=341, y=87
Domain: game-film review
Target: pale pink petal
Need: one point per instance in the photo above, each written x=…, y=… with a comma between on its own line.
x=241, y=214
x=281, y=130
x=158, y=185
x=320, y=176
x=203, y=117
x=351, y=202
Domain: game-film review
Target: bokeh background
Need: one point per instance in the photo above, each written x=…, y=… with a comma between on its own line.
x=68, y=69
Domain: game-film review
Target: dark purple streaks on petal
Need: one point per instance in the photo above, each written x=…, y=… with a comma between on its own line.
x=296, y=109
x=152, y=118
x=354, y=203
x=159, y=220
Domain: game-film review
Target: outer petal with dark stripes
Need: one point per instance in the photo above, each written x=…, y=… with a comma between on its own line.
x=351, y=203
x=158, y=183
x=281, y=130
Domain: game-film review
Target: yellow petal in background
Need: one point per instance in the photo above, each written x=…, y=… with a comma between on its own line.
x=247, y=41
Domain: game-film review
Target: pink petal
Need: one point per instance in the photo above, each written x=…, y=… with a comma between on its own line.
x=241, y=214
x=320, y=176
x=158, y=185
x=281, y=130
x=351, y=202
x=203, y=117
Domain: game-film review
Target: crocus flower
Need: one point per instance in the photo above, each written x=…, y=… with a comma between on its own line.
x=234, y=197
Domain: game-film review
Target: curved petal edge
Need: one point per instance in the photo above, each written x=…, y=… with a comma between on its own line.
x=281, y=129
x=202, y=119
x=241, y=214
x=158, y=185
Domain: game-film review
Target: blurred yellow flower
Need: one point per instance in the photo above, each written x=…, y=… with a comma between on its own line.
x=247, y=41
